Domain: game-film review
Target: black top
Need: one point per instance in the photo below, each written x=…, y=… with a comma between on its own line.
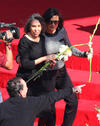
x=18, y=111
x=29, y=51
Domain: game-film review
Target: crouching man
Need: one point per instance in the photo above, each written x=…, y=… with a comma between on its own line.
x=20, y=110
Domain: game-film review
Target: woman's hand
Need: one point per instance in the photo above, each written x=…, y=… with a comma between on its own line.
x=51, y=59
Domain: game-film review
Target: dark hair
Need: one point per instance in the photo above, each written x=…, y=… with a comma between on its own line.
x=49, y=13
x=35, y=16
x=14, y=86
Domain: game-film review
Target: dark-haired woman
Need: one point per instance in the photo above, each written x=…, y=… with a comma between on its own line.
x=58, y=77
x=32, y=53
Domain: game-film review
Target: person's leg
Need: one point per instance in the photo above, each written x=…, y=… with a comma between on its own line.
x=51, y=117
x=48, y=118
x=48, y=83
x=70, y=110
x=63, y=81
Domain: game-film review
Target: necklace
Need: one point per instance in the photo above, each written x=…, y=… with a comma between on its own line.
x=30, y=37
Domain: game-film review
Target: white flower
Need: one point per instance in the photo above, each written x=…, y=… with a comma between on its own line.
x=65, y=58
x=90, y=44
x=69, y=52
x=90, y=55
x=98, y=116
x=63, y=48
x=91, y=50
x=61, y=57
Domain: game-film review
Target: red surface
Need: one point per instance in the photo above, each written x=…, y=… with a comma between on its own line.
x=79, y=31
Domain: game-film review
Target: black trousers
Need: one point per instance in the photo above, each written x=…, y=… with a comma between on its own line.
x=59, y=79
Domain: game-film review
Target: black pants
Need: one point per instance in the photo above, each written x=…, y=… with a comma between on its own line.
x=59, y=80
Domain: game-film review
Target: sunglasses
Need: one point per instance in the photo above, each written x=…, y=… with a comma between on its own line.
x=53, y=22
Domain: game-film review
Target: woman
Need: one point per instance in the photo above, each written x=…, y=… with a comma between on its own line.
x=58, y=77
x=32, y=53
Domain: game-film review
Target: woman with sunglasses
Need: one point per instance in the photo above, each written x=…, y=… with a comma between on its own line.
x=58, y=77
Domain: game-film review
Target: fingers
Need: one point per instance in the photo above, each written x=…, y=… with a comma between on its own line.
x=9, y=34
x=81, y=85
x=51, y=57
x=77, y=89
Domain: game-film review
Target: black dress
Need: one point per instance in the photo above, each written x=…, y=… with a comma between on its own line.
x=29, y=51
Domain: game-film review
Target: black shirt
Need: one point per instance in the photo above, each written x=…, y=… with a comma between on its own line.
x=29, y=52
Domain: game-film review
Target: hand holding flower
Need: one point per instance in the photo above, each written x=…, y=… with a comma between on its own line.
x=51, y=59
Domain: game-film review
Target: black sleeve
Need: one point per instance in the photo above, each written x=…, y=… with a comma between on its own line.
x=79, y=53
x=60, y=94
x=44, y=102
x=23, y=50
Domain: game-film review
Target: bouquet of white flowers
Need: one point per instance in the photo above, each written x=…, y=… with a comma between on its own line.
x=65, y=52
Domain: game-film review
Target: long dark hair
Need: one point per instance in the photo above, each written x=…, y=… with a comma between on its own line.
x=49, y=13
x=34, y=16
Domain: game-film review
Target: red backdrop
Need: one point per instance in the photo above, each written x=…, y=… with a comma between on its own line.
x=19, y=10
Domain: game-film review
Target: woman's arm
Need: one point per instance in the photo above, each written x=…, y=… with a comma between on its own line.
x=75, y=51
x=25, y=61
x=9, y=54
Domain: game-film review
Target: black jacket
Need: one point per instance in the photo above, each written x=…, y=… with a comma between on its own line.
x=18, y=111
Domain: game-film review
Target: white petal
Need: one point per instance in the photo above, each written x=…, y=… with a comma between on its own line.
x=62, y=48
x=90, y=43
x=65, y=58
x=61, y=57
x=90, y=55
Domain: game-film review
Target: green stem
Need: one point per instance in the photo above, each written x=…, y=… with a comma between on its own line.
x=38, y=72
x=78, y=45
x=90, y=70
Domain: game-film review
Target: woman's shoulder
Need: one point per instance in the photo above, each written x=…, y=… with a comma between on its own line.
x=62, y=30
x=23, y=40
